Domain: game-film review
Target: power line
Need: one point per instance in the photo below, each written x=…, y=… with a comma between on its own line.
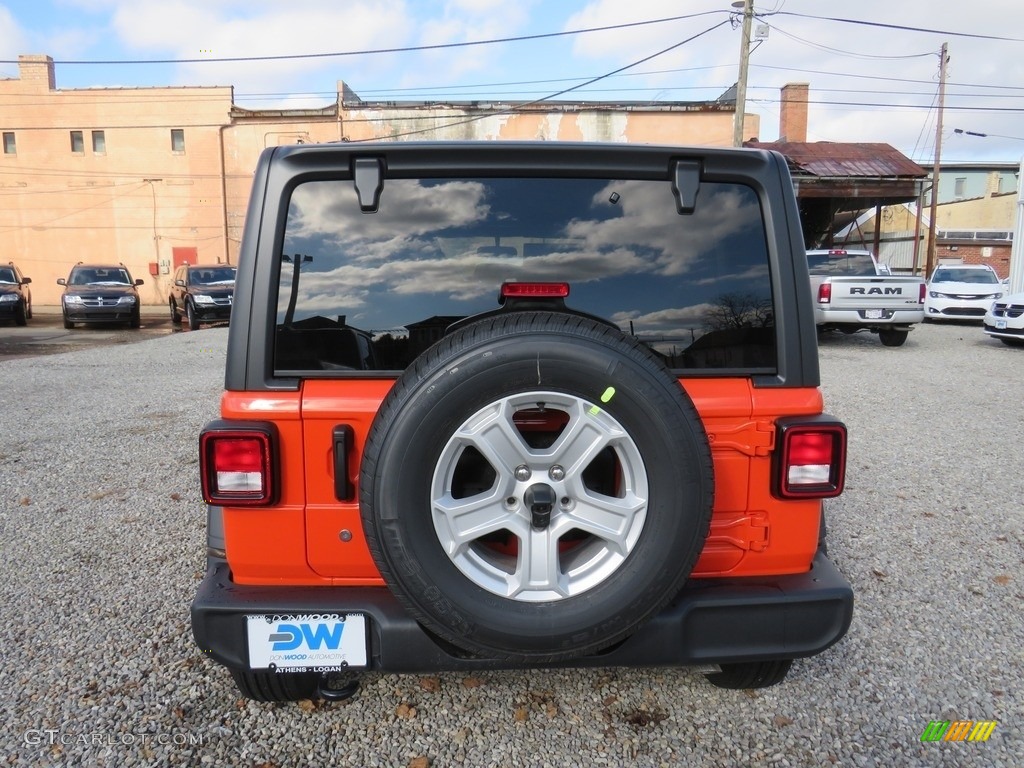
x=901, y=27
x=518, y=107
x=374, y=51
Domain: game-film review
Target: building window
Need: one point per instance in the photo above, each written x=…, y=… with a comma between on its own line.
x=177, y=139
x=99, y=143
x=77, y=143
x=960, y=186
x=10, y=148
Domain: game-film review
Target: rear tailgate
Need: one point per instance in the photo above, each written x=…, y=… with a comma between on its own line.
x=882, y=292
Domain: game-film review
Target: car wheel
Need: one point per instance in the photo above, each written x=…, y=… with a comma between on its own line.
x=193, y=318
x=556, y=487
x=1013, y=342
x=136, y=320
x=271, y=686
x=751, y=674
x=890, y=338
x=175, y=317
x=20, y=316
x=28, y=310
x=68, y=323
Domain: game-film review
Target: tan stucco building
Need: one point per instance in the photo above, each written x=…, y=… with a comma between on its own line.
x=155, y=177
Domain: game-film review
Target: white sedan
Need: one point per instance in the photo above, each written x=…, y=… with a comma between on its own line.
x=1005, y=320
x=961, y=292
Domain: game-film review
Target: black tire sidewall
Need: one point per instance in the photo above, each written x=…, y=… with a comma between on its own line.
x=647, y=402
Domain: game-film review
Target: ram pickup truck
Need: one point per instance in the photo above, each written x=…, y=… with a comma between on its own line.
x=518, y=405
x=852, y=292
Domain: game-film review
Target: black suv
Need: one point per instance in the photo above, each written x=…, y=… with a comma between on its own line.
x=202, y=294
x=15, y=297
x=100, y=293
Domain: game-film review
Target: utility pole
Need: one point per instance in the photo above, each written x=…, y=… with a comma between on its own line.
x=741, y=83
x=930, y=261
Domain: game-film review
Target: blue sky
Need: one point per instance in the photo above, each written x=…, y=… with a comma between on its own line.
x=869, y=83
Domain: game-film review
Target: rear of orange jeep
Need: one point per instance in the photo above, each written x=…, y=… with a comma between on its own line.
x=514, y=405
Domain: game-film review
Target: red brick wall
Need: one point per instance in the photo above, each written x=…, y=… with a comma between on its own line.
x=974, y=253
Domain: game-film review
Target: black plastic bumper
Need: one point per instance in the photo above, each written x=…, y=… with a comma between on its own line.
x=712, y=621
x=212, y=314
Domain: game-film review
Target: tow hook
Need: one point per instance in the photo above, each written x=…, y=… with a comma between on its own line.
x=540, y=498
x=347, y=691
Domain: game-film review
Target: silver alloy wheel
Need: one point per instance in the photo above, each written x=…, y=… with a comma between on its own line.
x=590, y=534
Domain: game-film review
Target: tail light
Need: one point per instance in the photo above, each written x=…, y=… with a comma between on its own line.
x=237, y=465
x=825, y=293
x=810, y=459
x=920, y=293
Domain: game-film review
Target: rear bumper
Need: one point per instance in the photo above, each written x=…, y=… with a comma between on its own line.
x=891, y=318
x=712, y=621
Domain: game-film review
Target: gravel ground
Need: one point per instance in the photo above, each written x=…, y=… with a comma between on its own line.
x=103, y=535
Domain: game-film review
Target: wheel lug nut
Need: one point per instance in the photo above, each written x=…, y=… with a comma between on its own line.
x=523, y=473
x=557, y=472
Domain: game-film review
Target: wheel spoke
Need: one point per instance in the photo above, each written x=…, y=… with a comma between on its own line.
x=493, y=433
x=616, y=521
x=469, y=519
x=585, y=436
x=538, y=571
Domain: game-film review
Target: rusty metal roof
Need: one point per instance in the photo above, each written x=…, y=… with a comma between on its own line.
x=835, y=159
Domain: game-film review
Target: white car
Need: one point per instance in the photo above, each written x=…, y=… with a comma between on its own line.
x=961, y=292
x=1005, y=320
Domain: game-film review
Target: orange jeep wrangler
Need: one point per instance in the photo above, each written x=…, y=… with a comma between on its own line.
x=498, y=405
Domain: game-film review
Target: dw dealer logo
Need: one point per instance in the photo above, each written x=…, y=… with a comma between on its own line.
x=289, y=637
x=958, y=730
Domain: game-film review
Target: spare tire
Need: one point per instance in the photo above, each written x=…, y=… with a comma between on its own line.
x=536, y=486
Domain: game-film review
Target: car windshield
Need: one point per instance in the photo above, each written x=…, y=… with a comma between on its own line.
x=983, y=276
x=100, y=276
x=7, y=275
x=212, y=275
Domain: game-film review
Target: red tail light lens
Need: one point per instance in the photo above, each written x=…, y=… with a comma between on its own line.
x=534, y=290
x=811, y=460
x=236, y=467
x=825, y=293
x=920, y=293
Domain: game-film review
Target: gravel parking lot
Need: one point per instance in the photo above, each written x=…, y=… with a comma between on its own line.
x=103, y=536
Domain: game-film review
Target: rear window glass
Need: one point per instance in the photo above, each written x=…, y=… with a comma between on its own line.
x=840, y=263
x=371, y=291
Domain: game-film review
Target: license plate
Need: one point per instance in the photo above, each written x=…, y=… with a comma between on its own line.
x=873, y=314
x=307, y=643
x=1000, y=325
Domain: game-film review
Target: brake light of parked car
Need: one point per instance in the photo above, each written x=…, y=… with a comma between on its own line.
x=236, y=466
x=825, y=293
x=534, y=290
x=920, y=293
x=810, y=460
